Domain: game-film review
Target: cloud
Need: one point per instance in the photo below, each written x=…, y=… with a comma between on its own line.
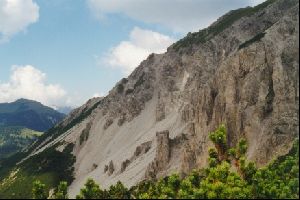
x=128, y=54
x=30, y=83
x=16, y=16
x=179, y=15
x=101, y=94
x=256, y=2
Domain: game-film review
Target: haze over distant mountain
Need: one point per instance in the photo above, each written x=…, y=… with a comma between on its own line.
x=64, y=109
x=29, y=114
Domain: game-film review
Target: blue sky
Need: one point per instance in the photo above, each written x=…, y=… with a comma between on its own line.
x=63, y=52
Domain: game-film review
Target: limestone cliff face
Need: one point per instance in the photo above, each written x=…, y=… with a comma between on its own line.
x=241, y=72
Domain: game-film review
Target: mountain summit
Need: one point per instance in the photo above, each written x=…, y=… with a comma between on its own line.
x=30, y=114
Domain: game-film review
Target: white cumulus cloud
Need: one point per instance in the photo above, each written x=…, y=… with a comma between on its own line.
x=16, y=16
x=30, y=83
x=179, y=15
x=101, y=94
x=127, y=55
x=256, y=2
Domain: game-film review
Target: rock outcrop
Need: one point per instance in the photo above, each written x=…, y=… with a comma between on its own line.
x=139, y=151
x=111, y=168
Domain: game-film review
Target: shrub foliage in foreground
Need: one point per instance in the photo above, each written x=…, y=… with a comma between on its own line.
x=229, y=175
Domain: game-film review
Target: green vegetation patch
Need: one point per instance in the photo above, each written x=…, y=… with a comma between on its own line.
x=19, y=184
x=15, y=138
x=229, y=176
x=50, y=166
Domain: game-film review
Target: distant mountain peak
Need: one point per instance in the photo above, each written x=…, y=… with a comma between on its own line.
x=28, y=101
x=30, y=114
x=23, y=100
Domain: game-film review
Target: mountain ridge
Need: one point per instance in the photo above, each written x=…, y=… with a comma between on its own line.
x=30, y=114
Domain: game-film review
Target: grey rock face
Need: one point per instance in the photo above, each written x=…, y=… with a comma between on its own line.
x=244, y=75
x=163, y=149
x=139, y=151
x=105, y=168
x=162, y=157
x=108, y=123
x=111, y=168
x=124, y=165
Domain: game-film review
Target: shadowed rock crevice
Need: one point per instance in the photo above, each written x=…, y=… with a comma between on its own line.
x=166, y=149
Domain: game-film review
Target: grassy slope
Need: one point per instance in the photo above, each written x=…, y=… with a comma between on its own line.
x=19, y=185
x=15, y=138
x=50, y=167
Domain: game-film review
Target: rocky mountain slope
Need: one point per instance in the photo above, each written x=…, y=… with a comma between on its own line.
x=29, y=114
x=241, y=71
